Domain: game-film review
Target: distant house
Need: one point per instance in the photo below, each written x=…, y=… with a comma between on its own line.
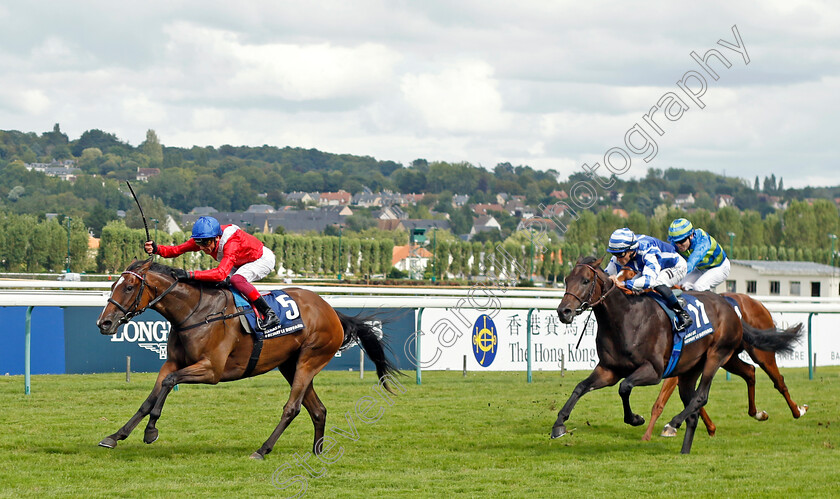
x=482, y=208
x=559, y=195
x=459, y=200
x=760, y=277
x=260, y=208
x=620, y=212
x=410, y=258
x=410, y=224
x=484, y=223
x=203, y=211
x=301, y=197
x=684, y=200
x=62, y=169
x=391, y=213
x=341, y=197
x=290, y=219
x=366, y=199
x=665, y=195
x=144, y=174
x=414, y=198
x=723, y=200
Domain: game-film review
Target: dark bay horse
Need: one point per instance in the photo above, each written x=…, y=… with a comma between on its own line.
x=219, y=349
x=634, y=342
x=756, y=315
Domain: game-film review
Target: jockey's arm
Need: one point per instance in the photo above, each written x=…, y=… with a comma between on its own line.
x=173, y=251
x=701, y=247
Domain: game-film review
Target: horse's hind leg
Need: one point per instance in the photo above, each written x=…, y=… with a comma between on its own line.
x=740, y=368
x=111, y=440
x=767, y=361
x=687, y=393
x=599, y=378
x=317, y=410
x=308, y=365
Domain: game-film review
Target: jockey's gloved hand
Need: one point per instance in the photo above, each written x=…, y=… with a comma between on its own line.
x=224, y=283
x=180, y=274
x=150, y=247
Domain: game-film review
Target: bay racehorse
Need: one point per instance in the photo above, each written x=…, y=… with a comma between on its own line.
x=756, y=315
x=634, y=342
x=208, y=344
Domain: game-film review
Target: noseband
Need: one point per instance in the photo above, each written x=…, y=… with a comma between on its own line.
x=584, y=304
x=133, y=311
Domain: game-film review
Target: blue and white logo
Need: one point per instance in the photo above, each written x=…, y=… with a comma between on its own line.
x=485, y=340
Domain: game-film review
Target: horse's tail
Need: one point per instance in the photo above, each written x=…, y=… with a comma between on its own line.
x=772, y=340
x=361, y=329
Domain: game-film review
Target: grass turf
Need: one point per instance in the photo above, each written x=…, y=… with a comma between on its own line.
x=485, y=435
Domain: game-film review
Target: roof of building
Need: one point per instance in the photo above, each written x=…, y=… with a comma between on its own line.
x=402, y=252
x=788, y=268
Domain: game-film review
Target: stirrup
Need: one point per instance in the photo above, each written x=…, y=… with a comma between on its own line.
x=265, y=324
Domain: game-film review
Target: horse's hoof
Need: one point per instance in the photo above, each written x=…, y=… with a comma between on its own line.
x=257, y=456
x=108, y=443
x=762, y=416
x=668, y=431
x=636, y=420
x=802, y=410
x=150, y=436
x=558, y=431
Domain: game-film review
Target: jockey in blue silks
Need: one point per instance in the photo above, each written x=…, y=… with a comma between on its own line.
x=707, y=263
x=657, y=264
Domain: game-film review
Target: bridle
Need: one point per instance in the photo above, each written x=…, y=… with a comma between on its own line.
x=584, y=304
x=134, y=310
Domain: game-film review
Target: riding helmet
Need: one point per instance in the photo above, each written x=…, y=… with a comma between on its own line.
x=680, y=229
x=622, y=240
x=205, y=228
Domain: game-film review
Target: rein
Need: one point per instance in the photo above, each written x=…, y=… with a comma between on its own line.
x=133, y=311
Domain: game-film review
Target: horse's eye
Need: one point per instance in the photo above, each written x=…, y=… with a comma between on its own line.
x=585, y=281
x=129, y=287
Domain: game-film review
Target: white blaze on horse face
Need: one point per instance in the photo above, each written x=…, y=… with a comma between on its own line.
x=117, y=285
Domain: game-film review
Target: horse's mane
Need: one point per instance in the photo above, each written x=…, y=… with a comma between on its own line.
x=156, y=267
x=159, y=268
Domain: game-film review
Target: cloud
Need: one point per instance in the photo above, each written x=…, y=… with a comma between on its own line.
x=460, y=98
x=226, y=65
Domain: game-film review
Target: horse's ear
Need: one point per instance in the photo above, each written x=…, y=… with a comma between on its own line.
x=597, y=263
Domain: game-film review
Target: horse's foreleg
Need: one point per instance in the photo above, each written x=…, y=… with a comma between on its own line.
x=200, y=372
x=740, y=368
x=767, y=361
x=643, y=376
x=599, y=378
x=307, y=367
x=111, y=440
x=668, y=386
x=313, y=405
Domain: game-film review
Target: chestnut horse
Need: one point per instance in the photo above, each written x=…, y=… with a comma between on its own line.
x=756, y=315
x=208, y=344
x=635, y=339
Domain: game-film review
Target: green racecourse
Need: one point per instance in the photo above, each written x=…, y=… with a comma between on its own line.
x=485, y=435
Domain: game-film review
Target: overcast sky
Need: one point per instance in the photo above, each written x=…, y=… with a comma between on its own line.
x=550, y=84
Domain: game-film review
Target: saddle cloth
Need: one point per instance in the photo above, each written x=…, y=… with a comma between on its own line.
x=282, y=304
x=701, y=326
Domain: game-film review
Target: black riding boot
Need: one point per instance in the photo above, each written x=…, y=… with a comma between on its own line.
x=269, y=319
x=683, y=319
